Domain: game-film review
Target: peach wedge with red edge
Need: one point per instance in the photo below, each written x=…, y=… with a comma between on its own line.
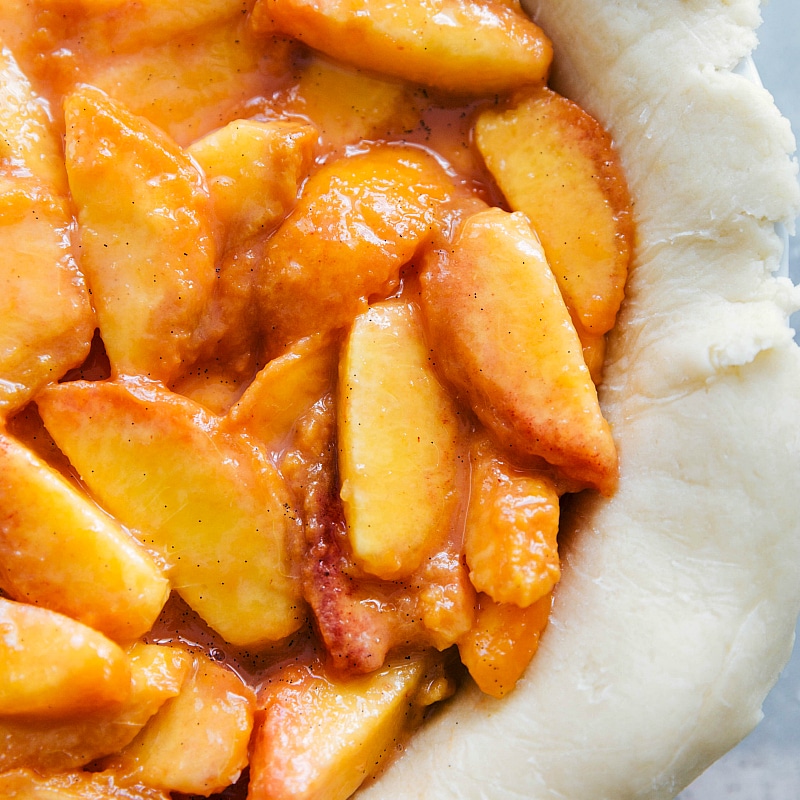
x=156, y=674
x=398, y=443
x=320, y=737
x=60, y=551
x=556, y=164
x=52, y=666
x=208, y=503
x=197, y=742
x=504, y=339
x=146, y=232
x=468, y=48
x=368, y=214
x=48, y=321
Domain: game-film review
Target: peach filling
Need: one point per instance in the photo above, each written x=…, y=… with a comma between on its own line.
x=304, y=311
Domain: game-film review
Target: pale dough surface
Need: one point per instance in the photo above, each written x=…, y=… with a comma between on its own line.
x=680, y=594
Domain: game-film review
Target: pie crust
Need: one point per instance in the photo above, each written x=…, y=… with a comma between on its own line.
x=679, y=596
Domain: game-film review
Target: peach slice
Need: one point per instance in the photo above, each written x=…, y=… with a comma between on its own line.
x=29, y=146
x=350, y=105
x=398, y=443
x=504, y=338
x=48, y=321
x=434, y=43
x=285, y=389
x=59, y=551
x=156, y=674
x=213, y=507
x=146, y=229
x=318, y=737
x=52, y=666
x=119, y=26
x=358, y=221
x=555, y=163
x=502, y=642
x=511, y=530
x=253, y=170
x=191, y=84
x=26, y=784
x=197, y=742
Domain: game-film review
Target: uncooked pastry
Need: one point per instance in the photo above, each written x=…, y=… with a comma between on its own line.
x=679, y=597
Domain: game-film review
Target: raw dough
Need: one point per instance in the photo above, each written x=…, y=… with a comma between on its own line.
x=679, y=597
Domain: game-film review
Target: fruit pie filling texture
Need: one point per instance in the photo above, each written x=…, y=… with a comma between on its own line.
x=304, y=312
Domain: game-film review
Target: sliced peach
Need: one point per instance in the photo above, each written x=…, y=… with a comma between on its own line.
x=119, y=26
x=284, y=389
x=197, y=742
x=30, y=145
x=156, y=674
x=444, y=598
x=213, y=507
x=349, y=105
x=504, y=338
x=510, y=540
x=555, y=163
x=253, y=170
x=52, y=666
x=468, y=48
x=26, y=784
x=358, y=221
x=502, y=642
x=360, y=619
x=228, y=335
x=398, y=443
x=188, y=85
x=59, y=551
x=48, y=321
x=146, y=234
x=318, y=737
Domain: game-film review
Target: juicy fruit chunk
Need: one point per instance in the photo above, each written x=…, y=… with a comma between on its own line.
x=44, y=304
x=556, y=164
x=156, y=674
x=317, y=737
x=368, y=213
x=510, y=540
x=146, y=235
x=505, y=340
x=25, y=784
x=468, y=48
x=52, y=666
x=285, y=389
x=502, y=642
x=349, y=105
x=58, y=550
x=211, y=505
x=29, y=146
x=197, y=742
x=398, y=443
x=253, y=170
